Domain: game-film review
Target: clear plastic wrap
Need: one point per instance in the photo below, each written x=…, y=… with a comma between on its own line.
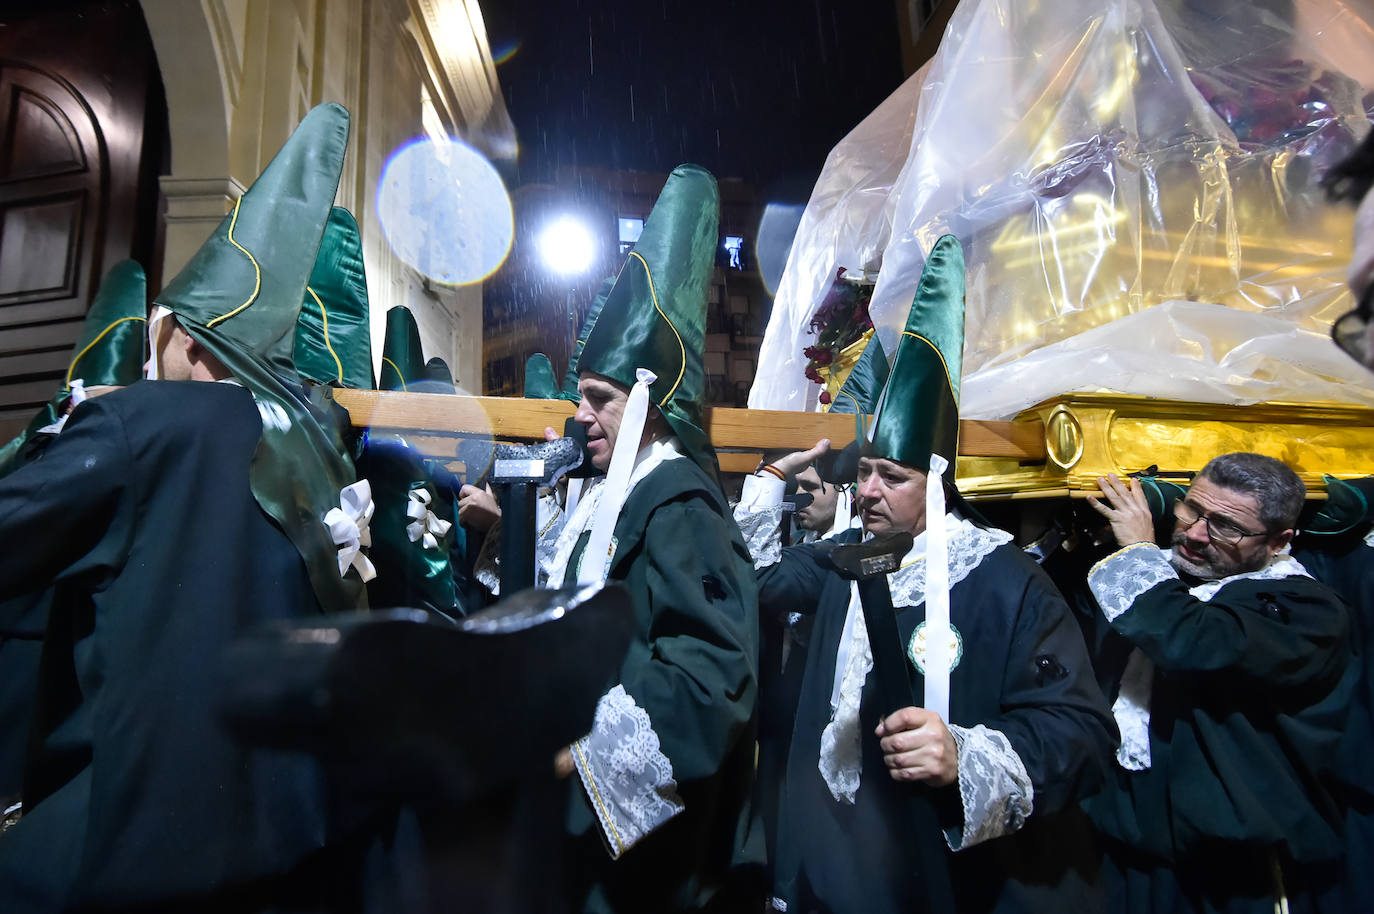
x=1099, y=160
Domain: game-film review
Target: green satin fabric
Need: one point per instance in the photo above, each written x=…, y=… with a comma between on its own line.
x=276, y=231
x=570, y=377
x=405, y=569
x=110, y=351
x=858, y=395
x=654, y=316
x=403, y=362
x=333, y=335
x=117, y=358
x=1348, y=505
x=918, y=413
x=540, y=383
x=113, y=342
x=297, y=471
x=1160, y=495
x=439, y=376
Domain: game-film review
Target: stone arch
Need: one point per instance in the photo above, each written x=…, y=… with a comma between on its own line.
x=195, y=53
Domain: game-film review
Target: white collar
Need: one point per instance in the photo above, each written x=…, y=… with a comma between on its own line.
x=1282, y=565
x=649, y=458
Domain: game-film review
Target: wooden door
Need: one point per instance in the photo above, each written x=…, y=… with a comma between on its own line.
x=82, y=140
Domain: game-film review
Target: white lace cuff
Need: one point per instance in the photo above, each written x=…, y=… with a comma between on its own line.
x=628, y=780
x=1121, y=577
x=759, y=516
x=994, y=788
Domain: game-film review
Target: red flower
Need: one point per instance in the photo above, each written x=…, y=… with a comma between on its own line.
x=825, y=397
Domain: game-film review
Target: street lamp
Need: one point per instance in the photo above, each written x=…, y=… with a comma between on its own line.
x=566, y=246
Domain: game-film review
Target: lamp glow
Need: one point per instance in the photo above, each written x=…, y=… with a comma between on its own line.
x=567, y=246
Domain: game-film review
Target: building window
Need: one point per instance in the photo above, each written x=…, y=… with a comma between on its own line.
x=734, y=248
x=630, y=230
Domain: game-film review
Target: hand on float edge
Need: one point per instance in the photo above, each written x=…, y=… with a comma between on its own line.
x=790, y=465
x=1126, y=509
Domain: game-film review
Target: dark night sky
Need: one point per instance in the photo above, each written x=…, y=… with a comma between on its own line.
x=756, y=90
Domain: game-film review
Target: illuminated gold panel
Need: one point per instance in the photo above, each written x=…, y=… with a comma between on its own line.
x=1090, y=435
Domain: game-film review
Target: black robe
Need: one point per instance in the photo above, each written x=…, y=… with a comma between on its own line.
x=1346, y=565
x=21, y=648
x=141, y=517
x=1024, y=671
x=1249, y=696
x=692, y=667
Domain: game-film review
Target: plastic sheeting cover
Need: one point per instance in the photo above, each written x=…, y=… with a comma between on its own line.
x=1099, y=160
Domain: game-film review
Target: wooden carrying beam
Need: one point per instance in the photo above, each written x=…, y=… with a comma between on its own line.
x=740, y=435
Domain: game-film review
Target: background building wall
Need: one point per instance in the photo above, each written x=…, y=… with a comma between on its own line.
x=240, y=75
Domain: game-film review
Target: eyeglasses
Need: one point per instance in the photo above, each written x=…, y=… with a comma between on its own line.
x=1219, y=530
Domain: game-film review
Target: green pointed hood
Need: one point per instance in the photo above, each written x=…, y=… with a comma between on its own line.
x=569, y=391
x=439, y=376
x=1349, y=505
x=540, y=382
x=860, y=391
x=654, y=315
x=333, y=336
x=403, y=362
x=410, y=572
x=240, y=297
x=918, y=412
x=110, y=350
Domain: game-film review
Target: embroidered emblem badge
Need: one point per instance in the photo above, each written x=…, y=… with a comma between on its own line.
x=916, y=648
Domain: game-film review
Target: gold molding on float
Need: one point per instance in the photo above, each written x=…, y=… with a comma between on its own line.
x=1055, y=449
x=1091, y=435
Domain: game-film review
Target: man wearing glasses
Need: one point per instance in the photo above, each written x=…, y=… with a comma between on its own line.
x=1231, y=703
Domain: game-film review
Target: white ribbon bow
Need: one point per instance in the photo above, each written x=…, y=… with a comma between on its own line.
x=76, y=395
x=348, y=528
x=425, y=524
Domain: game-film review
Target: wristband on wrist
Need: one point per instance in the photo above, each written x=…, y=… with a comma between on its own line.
x=769, y=468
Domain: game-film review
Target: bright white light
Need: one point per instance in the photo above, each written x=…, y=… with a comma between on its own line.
x=567, y=246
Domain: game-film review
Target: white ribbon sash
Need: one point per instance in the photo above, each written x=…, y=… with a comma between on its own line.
x=159, y=313
x=938, y=636
x=596, y=558
x=348, y=528
x=425, y=526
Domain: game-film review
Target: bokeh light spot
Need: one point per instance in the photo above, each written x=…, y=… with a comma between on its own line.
x=445, y=211
x=777, y=229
